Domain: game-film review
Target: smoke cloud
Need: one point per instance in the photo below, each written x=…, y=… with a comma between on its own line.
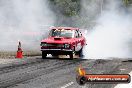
x=25, y=21
x=111, y=37
x=28, y=21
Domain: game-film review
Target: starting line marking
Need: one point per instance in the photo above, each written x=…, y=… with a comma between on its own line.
x=67, y=85
x=129, y=85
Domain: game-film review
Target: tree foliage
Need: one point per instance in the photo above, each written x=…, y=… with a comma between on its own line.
x=67, y=7
x=127, y=2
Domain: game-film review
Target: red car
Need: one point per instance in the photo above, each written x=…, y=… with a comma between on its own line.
x=63, y=41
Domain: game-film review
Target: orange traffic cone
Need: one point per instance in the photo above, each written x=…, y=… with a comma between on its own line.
x=19, y=53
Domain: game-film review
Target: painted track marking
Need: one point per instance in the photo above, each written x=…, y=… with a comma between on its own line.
x=67, y=85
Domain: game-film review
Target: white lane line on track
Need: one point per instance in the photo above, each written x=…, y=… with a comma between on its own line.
x=129, y=85
x=67, y=85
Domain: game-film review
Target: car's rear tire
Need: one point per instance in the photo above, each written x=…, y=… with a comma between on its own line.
x=43, y=55
x=80, y=53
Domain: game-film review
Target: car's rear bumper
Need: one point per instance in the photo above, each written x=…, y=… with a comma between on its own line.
x=57, y=51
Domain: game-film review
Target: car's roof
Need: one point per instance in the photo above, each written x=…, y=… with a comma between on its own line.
x=71, y=28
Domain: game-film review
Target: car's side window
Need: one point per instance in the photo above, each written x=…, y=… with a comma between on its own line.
x=78, y=34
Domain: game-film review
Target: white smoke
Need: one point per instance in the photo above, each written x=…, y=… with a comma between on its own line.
x=25, y=21
x=112, y=34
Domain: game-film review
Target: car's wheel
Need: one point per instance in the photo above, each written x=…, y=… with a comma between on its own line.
x=43, y=55
x=81, y=53
x=71, y=56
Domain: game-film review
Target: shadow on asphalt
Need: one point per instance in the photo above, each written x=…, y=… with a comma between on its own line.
x=76, y=57
x=55, y=58
x=64, y=58
x=127, y=61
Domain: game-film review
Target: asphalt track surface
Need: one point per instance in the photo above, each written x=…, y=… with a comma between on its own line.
x=35, y=72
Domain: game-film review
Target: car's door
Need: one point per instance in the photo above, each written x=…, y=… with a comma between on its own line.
x=81, y=38
x=78, y=40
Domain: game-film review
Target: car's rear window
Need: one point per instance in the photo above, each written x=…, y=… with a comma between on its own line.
x=67, y=33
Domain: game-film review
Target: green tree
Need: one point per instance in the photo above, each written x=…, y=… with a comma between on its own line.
x=67, y=7
x=127, y=2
